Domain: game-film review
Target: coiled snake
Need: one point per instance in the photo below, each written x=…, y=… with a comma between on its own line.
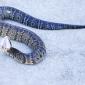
x=26, y=36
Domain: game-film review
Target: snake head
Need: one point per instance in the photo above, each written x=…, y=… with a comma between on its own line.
x=5, y=44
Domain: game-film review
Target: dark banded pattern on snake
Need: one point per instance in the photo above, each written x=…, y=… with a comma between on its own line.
x=26, y=36
x=21, y=17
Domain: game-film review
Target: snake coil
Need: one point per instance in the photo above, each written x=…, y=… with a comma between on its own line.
x=26, y=36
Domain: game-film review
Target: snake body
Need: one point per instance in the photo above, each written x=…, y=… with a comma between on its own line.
x=26, y=36
x=21, y=17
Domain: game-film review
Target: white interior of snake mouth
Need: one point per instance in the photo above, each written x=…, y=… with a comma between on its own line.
x=20, y=46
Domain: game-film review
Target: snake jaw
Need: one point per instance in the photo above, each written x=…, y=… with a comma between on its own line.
x=5, y=44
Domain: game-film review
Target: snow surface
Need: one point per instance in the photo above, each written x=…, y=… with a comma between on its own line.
x=65, y=59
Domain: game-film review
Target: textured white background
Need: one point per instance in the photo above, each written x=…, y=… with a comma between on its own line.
x=65, y=59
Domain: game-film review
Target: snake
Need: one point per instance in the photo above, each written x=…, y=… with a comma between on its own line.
x=26, y=36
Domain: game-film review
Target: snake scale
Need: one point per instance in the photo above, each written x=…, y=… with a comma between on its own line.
x=26, y=36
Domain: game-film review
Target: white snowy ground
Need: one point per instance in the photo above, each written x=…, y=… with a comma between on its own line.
x=65, y=59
